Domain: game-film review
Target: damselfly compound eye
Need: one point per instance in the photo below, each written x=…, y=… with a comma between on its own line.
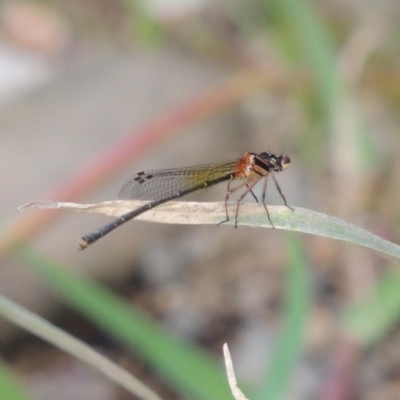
x=285, y=161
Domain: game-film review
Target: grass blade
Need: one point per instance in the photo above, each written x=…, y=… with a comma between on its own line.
x=253, y=215
x=184, y=366
x=368, y=321
x=276, y=379
x=10, y=388
x=43, y=329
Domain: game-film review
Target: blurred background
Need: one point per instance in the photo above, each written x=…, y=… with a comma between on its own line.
x=94, y=91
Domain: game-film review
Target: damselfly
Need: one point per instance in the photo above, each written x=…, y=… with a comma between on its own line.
x=160, y=186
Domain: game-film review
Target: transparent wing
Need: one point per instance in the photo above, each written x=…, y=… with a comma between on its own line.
x=157, y=184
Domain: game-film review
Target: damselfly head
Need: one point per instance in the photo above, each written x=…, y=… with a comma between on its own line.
x=276, y=163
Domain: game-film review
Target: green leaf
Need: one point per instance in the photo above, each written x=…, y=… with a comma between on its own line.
x=368, y=321
x=253, y=215
x=184, y=366
x=277, y=377
x=46, y=331
x=9, y=386
x=316, y=45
